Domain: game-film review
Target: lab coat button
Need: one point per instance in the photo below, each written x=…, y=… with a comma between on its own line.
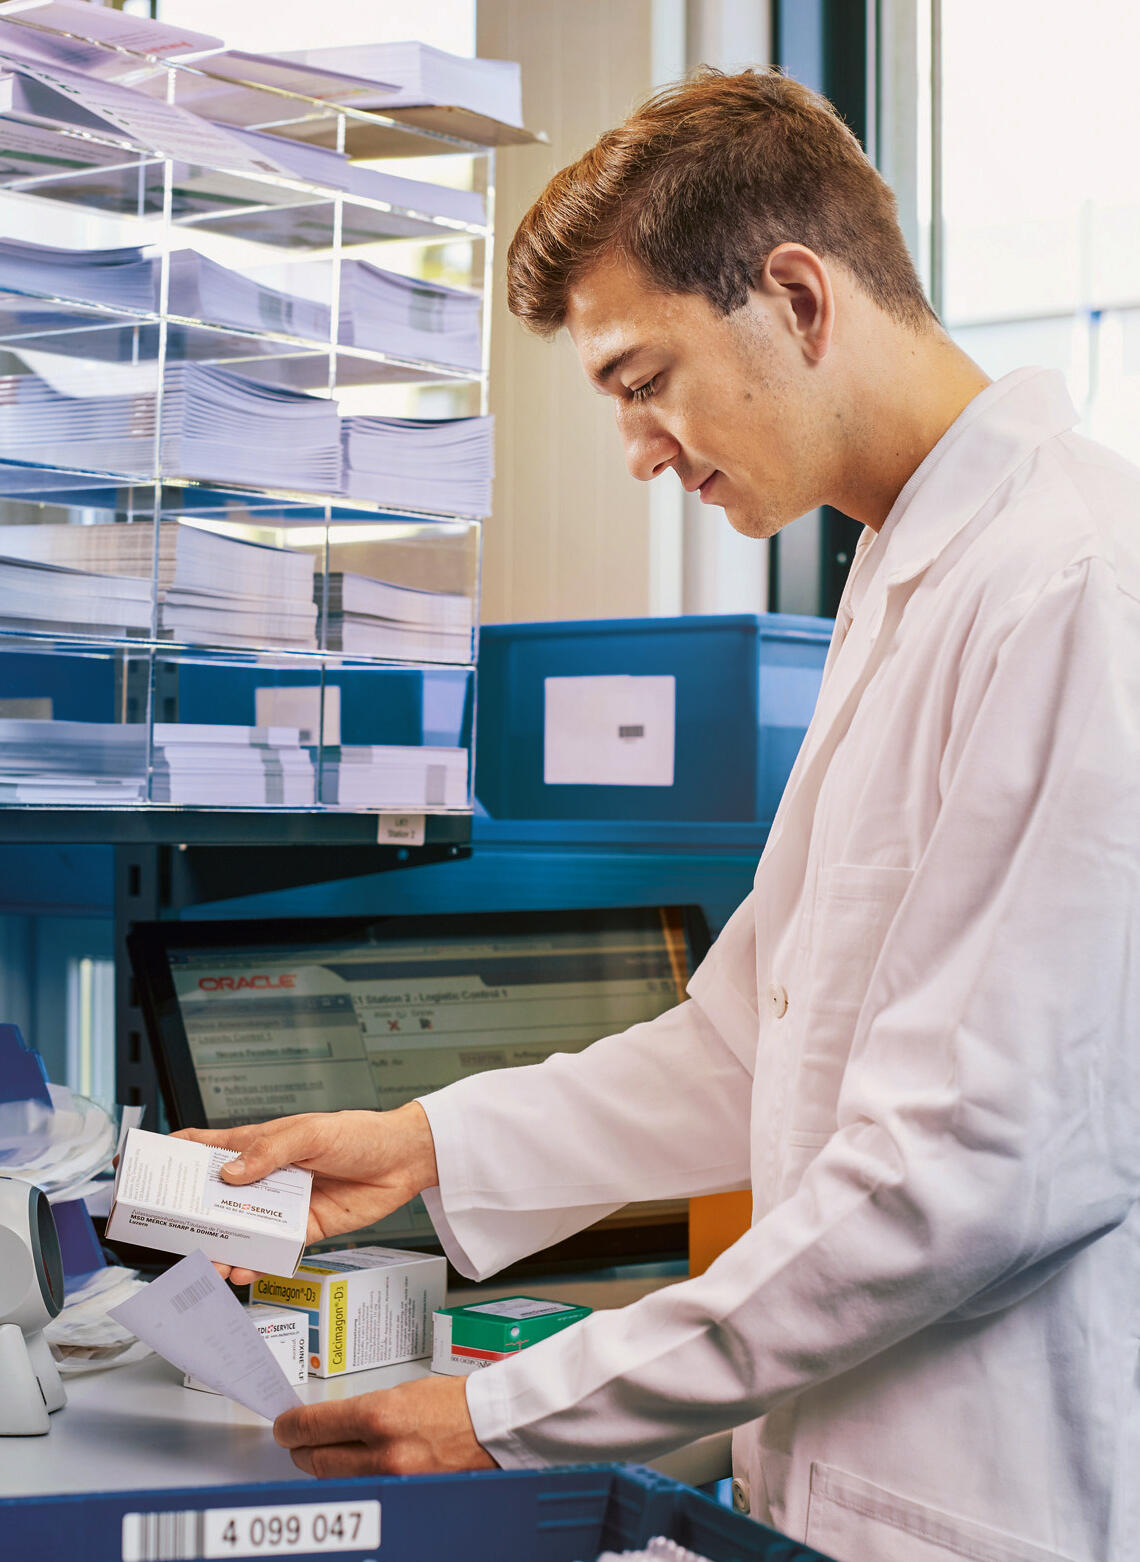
x=741, y=1500
x=778, y=1000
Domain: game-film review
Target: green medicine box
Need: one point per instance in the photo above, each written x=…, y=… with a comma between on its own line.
x=467, y=1338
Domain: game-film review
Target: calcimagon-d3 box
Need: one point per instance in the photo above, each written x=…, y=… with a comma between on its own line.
x=366, y=1306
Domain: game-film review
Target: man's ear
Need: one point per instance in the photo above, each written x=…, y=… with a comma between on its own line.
x=797, y=282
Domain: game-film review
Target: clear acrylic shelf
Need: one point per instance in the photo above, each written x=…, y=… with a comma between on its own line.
x=231, y=643
x=124, y=728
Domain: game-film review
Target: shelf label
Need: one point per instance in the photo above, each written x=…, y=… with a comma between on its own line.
x=609, y=730
x=280, y=1530
x=400, y=830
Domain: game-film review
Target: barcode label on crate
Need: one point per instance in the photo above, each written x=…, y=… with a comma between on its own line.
x=280, y=1531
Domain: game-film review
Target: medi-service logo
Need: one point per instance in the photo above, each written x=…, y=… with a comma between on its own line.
x=236, y=984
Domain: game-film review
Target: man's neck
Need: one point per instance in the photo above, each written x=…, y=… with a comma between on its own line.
x=920, y=386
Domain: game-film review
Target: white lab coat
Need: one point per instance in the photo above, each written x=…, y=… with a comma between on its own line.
x=917, y=1041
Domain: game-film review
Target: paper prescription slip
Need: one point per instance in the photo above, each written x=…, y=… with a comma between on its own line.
x=285, y=1333
x=467, y=1338
x=366, y=1307
x=168, y=1195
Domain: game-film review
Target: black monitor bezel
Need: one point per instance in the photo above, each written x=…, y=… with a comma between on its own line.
x=149, y=944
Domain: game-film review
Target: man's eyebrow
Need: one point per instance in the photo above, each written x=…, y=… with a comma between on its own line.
x=618, y=361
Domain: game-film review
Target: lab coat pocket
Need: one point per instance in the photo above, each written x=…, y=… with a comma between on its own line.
x=853, y=911
x=853, y=1521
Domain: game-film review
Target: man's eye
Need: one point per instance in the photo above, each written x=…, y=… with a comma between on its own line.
x=643, y=392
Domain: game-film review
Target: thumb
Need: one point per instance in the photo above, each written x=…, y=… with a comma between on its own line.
x=268, y=1153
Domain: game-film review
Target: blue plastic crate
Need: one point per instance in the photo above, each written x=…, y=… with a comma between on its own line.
x=746, y=685
x=500, y=1516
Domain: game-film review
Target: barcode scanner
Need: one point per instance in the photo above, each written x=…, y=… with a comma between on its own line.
x=31, y=1295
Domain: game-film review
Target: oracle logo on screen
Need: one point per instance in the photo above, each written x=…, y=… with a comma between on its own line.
x=234, y=984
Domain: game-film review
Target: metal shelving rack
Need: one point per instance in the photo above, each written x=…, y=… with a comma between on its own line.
x=166, y=852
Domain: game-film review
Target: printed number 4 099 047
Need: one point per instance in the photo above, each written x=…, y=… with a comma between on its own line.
x=277, y=1531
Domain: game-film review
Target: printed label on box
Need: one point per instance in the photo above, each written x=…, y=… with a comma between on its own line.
x=518, y=1307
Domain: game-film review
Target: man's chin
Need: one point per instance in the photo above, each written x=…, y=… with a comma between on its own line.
x=754, y=523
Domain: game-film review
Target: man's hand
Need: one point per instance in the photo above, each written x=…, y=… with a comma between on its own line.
x=418, y=1428
x=364, y=1164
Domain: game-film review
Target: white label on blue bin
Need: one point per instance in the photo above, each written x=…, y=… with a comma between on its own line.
x=277, y=1530
x=615, y=730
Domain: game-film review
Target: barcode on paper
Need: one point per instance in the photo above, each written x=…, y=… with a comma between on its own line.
x=197, y=1291
x=283, y=1529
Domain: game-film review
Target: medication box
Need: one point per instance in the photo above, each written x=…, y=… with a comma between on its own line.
x=726, y=698
x=287, y=1335
x=168, y=1195
x=365, y=1307
x=467, y=1338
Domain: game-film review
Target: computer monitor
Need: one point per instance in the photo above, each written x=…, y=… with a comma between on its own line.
x=251, y=1020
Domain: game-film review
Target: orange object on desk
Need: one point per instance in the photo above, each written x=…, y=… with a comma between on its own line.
x=715, y=1222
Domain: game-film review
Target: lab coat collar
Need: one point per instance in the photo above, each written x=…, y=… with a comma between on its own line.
x=996, y=432
x=983, y=447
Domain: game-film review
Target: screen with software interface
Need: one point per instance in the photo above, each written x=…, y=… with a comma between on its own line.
x=370, y=1021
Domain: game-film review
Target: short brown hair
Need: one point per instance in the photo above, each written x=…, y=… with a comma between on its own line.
x=699, y=185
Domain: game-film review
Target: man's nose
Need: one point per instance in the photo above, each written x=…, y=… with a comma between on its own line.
x=649, y=448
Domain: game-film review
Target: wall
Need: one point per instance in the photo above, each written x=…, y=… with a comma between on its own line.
x=573, y=535
x=570, y=534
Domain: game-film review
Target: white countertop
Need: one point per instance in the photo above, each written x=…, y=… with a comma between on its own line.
x=137, y=1427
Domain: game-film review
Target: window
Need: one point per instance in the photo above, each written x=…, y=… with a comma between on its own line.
x=1039, y=227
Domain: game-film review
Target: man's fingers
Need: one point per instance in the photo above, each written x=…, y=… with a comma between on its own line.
x=331, y=1421
x=339, y=1460
x=241, y=1276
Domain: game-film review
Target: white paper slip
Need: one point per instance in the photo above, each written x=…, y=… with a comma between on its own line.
x=190, y=1317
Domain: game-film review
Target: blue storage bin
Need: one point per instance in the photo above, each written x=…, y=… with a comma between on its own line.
x=499, y=1516
x=746, y=685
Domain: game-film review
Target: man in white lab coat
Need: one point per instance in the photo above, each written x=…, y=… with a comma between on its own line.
x=916, y=1041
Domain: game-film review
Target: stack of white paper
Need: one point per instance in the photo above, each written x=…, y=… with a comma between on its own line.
x=425, y=75
x=122, y=278
x=110, y=32
x=201, y=289
x=216, y=425
x=324, y=166
x=434, y=464
x=72, y=762
x=367, y=617
x=408, y=318
x=211, y=765
x=212, y=589
x=46, y=596
x=394, y=776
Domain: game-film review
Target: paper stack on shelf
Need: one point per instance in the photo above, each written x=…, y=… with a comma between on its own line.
x=401, y=315
x=103, y=26
x=121, y=278
x=216, y=425
x=212, y=589
x=428, y=76
x=367, y=617
x=201, y=289
x=434, y=464
x=322, y=165
x=47, y=596
x=72, y=762
x=211, y=765
x=390, y=775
